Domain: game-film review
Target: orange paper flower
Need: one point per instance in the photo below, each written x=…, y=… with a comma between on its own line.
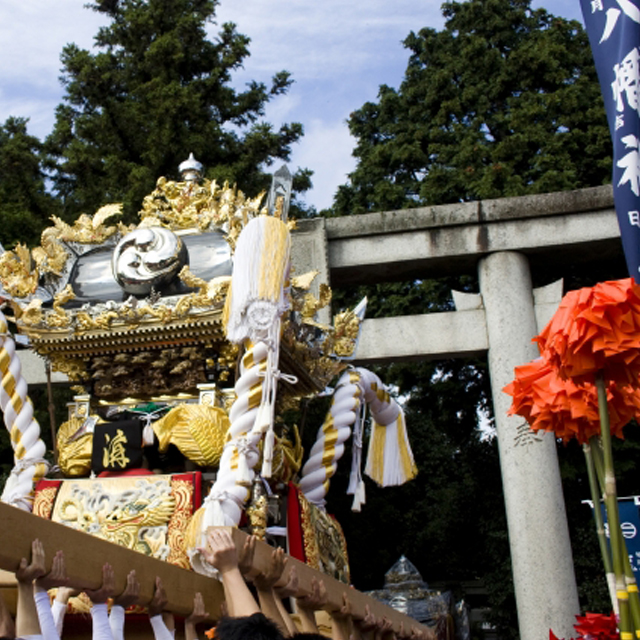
x=549, y=403
x=596, y=328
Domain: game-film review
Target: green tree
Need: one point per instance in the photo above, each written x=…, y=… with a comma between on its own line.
x=156, y=90
x=504, y=101
x=25, y=206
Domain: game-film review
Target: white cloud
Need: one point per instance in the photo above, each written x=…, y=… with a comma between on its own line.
x=338, y=52
x=326, y=149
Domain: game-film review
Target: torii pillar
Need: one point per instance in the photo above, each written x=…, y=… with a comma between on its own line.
x=544, y=579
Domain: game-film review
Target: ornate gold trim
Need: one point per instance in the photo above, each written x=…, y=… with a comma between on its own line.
x=182, y=491
x=43, y=502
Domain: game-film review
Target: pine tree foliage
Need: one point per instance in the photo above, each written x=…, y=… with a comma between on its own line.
x=504, y=101
x=25, y=206
x=157, y=89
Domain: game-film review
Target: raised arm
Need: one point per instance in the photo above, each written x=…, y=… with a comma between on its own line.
x=27, y=572
x=99, y=597
x=7, y=626
x=220, y=552
x=197, y=615
x=156, y=607
x=57, y=577
x=126, y=599
x=308, y=605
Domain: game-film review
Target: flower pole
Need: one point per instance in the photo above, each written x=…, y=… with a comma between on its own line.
x=597, y=513
x=611, y=502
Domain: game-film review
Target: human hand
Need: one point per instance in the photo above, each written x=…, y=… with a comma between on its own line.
x=159, y=600
x=106, y=590
x=369, y=622
x=64, y=593
x=245, y=559
x=57, y=577
x=220, y=551
x=266, y=580
x=198, y=614
x=131, y=592
x=27, y=571
x=290, y=588
x=317, y=599
x=385, y=628
x=344, y=613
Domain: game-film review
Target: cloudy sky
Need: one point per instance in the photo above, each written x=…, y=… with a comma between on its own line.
x=338, y=53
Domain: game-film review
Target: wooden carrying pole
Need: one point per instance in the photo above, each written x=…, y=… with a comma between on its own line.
x=85, y=555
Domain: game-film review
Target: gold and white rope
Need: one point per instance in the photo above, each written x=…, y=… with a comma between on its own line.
x=24, y=430
x=224, y=504
x=389, y=459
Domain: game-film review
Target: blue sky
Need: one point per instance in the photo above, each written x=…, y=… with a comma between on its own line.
x=338, y=53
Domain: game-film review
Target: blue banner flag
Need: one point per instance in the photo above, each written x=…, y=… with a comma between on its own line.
x=613, y=27
x=630, y=525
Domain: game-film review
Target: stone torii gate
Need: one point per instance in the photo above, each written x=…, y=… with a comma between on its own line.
x=503, y=240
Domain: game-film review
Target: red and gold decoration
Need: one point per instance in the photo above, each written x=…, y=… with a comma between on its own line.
x=190, y=336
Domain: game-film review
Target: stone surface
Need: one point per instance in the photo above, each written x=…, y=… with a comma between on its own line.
x=545, y=587
x=309, y=253
x=428, y=242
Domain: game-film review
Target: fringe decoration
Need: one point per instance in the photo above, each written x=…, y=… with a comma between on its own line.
x=256, y=298
x=390, y=459
x=356, y=484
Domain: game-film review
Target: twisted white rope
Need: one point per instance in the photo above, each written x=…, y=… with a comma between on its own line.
x=24, y=430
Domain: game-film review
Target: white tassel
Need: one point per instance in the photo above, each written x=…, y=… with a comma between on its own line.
x=263, y=418
x=267, y=456
x=148, y=435
x=359, y=497
x=217, y=514
x=244, y=473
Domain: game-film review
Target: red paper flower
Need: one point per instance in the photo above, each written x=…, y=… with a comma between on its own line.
x=594, y=626
x=549, y=403
x=596, y=328
x=597, y=626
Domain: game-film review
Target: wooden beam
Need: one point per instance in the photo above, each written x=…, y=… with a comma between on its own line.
x=85, y=555
x=335, y=589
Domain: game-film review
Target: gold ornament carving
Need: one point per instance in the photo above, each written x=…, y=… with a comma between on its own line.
x=208, y=294
x=197, y=430
x=182, y=492
x=133, y=514
x=17, y=275
x=74, y=368
x=74, y=447
x=43, y=502
x=325, y=547
x=86, y=229
x=32, y=313
x=258, y=516
x=50, y=256
x=206, y=206
x=59, y=318
x=345, y=333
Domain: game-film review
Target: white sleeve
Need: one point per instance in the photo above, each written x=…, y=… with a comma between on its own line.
x=160, y=630
x=58, y=610
x=116, y=621
x=101, y=628
x=45, y=617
